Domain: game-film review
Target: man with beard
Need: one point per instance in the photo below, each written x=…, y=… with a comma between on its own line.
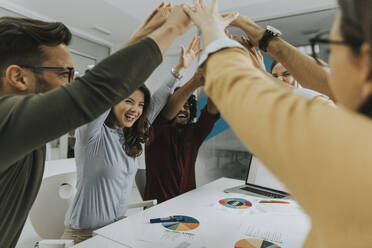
x=38, y=103
x=175, y=141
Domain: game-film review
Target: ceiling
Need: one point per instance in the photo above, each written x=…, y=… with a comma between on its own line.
x=120, y=18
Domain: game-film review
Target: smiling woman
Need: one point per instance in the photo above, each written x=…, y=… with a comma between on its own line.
x=106, y=157
x=108, y=147
x=130, y=116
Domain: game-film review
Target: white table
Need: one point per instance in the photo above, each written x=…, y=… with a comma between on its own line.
x=219, y=226
x=99, y=242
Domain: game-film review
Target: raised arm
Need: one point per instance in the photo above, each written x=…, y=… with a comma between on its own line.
x=303, y=68
x=72, y=105
x=271, y=123
x=277, y=135
x=39, y=118
x=179, y=98
x=156, y=18
x=177, y=23
x=161, y=95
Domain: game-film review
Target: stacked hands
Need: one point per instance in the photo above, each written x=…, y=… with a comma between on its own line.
x=209, y=21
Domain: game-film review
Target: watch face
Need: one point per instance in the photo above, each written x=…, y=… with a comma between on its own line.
x=276, y=32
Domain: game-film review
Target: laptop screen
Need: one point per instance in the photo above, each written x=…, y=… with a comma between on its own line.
x=259, y=175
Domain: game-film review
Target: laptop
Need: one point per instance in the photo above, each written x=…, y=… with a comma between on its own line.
x=260, y=182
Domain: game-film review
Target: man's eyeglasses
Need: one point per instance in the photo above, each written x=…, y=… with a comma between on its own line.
x=71, y=70
x=320, y=45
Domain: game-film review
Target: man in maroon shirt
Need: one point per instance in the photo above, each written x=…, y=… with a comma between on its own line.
x=172, y=152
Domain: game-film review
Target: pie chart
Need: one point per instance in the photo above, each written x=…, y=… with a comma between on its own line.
x=238, y=203
x=255, y=243
x=188, y=223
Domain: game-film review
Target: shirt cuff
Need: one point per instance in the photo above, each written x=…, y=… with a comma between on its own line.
x=310, y=94
x=217, y=45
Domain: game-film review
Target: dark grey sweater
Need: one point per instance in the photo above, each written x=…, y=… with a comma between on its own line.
x=27, y=122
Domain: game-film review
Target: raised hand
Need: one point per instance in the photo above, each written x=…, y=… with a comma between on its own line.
x=252, y=30
x=208, y=20
x=256, y=55
x=156, y=19
x=177, y=23
x=178, y=19
x=188, y=56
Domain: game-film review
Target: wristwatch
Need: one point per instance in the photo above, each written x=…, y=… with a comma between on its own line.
x=270, y=33
x=176, y=74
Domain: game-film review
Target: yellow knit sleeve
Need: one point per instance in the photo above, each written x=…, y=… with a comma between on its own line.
x=322, y=154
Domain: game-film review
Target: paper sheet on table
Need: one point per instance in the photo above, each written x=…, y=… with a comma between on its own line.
x=259, y=205
x=159, y=234
x=285, y=230
x=183, y=244
x=218, y=208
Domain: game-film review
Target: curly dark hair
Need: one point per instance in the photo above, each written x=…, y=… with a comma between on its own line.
x=137, y=134
x=21, y=40
x=193, y=106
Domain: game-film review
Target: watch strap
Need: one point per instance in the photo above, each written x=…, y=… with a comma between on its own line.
x=265, y=40
x=176, y=74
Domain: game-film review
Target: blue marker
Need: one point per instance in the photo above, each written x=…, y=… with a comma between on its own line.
x=167, y=219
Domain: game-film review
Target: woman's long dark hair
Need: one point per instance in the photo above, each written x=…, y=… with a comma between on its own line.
x=138, y=133
x=356, y=29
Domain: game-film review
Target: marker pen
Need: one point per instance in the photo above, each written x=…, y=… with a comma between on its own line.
x=167, y=219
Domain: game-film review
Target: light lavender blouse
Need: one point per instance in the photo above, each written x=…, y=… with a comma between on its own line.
x=105, y=173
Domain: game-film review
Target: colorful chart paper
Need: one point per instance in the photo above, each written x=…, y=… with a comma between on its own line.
x=188, y=223
x=255, y=243
x=237, y=203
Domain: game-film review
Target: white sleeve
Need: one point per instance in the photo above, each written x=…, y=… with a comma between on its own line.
x=91, y=130
x=310, y=94
x=217, y=45
x=160, y=97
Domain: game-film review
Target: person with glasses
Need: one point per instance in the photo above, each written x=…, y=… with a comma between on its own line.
x=300, y=66
x=171, y=154
x=279, y=72
x=38, y=105
x=107, y=151
x=63, y=71
x=326, y=163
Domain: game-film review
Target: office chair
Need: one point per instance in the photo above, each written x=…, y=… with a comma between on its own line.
x=56, y=193
x=48, y=212
x=140, y=180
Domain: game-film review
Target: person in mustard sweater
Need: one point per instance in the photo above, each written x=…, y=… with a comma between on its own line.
x=328, y=166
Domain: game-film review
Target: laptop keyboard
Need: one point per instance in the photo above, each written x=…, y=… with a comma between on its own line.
x=261, y=192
